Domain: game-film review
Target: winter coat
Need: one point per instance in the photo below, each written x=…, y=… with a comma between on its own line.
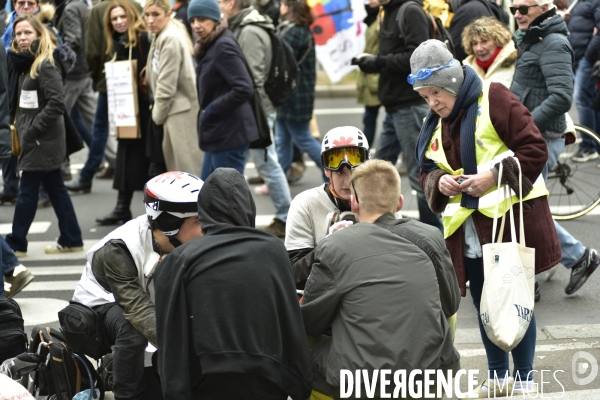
x=469, y=11
x=172, y=78
x=393, y=60
x=72, y=27
x=40, y=123
x=367, y=84
x=502, y=69
x=5, y=135
x=300, y=107
x=543, y=79
x=385, y=298
x=225, y=87
x=585, y=16
x=516, y=129
x=250, y=30
x=95, y=42
x=225, y=302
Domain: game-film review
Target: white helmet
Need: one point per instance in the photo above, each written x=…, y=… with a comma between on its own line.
x=173, y=196
x=344, y=146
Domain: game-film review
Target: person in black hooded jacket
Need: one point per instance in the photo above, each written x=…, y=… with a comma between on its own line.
x=227, y=315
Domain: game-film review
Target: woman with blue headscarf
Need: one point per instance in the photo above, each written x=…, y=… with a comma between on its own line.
x=471, y=128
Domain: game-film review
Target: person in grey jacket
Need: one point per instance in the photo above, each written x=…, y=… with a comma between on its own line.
x=37, y=106
x=543, y=82
x=251, y=31
x=386, y=296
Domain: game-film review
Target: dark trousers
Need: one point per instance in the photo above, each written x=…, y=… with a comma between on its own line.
x=70, y=233
x=10, y=176
x=99, y=138
x=128, y=353
x=233, y=386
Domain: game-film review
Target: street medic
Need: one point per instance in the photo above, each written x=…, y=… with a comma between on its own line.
x=313, y=211
x=117, y=281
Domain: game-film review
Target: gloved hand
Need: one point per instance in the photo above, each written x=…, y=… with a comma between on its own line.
x=367, y=64
x=339, y=226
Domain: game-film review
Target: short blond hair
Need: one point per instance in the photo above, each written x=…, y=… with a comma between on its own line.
x=377, y=185
x=486, y=28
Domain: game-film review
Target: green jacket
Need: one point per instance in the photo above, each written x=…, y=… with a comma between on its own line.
x=366, y=84
x=95, y=42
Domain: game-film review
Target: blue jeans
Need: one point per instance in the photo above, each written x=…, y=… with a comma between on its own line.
x=288, y=133
x=84, y=132
x=99, y=137
x=388, y=148
x=407, y=122
x=370, y=123
x=571, y=249
x=497, y=359
x=9, y=262
x=268, y=167
x=585, y=92
x=233, y=158
x=10, y=176
x=70, y=234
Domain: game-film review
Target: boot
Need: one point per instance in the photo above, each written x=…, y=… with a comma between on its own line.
x=79, y=185
x=121, y=213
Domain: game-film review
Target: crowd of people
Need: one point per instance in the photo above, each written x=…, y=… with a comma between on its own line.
x=179, y=277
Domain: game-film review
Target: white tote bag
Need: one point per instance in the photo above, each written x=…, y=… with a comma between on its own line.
x=507, y=299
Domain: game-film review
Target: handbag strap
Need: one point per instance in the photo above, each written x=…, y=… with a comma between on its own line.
x=506, y=199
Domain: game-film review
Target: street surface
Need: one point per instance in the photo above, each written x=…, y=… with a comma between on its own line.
x=565, y=324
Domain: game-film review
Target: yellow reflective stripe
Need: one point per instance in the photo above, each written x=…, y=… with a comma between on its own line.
x=486, y=166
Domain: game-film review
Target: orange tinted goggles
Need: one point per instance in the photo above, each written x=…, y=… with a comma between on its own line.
x=352, y=156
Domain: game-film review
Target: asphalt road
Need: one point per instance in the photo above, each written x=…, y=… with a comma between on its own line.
x=566, y=324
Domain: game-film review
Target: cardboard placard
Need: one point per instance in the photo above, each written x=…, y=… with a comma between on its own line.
x=122, y=94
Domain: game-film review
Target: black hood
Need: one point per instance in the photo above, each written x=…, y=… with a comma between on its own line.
x=225, y=198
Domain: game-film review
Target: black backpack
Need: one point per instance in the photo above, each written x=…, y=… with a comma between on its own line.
x=283, y=75
x=437, y=29
x=13, y=339
x=83, y=330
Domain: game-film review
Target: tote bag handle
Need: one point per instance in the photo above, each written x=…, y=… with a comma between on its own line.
x=506, y=199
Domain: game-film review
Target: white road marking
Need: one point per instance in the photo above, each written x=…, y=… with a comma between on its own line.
x=339, y=111
x=36, y=227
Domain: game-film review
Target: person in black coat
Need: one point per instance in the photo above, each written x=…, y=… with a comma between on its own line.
x=125, y=26
x=226, y=123
x=227, y=314
x=465, y=12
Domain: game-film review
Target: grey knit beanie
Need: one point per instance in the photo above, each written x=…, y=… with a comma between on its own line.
x=433, y=53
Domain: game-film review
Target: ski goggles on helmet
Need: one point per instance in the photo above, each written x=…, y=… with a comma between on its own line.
x=335, y=159
x=425, y=73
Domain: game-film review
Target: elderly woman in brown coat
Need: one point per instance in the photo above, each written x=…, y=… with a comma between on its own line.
x=460, y=147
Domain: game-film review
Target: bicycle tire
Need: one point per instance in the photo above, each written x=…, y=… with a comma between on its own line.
x=574, y=186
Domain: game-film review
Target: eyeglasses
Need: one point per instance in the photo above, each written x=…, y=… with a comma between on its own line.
x=336, y=158
x=355, y=194
x=30, y=4
x=524, y=10
x=425, y=73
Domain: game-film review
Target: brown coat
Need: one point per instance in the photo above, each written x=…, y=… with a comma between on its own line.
x=514, y=125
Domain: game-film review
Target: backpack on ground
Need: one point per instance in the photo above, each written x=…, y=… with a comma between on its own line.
x=13, y=339
x=437, y=29
x=50, y=369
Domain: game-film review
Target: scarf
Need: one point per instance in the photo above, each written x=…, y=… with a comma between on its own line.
x=203, y=44
x=485, y=65
x=466, y=100
x=19, y=63
x=520, y=36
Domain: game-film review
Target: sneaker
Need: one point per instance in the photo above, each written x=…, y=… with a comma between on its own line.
x=261, y=190
x=295, y=172
x=582, y=270
x=492, y=391
x=277, y=228
x=105, y=172
x=585, y=156
x=20, y=254
x=8, y=200
x=537, y=294
x=58, y=249
x=256, y=180
x=17, y=280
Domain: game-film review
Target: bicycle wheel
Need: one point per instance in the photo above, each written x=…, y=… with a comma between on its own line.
x=574, y=186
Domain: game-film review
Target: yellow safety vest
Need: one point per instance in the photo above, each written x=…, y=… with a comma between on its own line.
x=489, y=150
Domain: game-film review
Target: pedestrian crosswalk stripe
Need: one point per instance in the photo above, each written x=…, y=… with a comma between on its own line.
x=36, y=227
x=51, y=286
x=55, y=271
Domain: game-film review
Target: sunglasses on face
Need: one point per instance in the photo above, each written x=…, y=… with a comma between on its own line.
x=355, y=194
x=524, y=10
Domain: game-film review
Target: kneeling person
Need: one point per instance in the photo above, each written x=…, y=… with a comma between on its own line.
x=118, y=279
x=385, y=286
